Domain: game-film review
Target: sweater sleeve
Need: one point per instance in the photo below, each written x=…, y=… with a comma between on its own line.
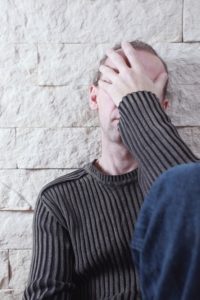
x=51, y=269
x=148, y=133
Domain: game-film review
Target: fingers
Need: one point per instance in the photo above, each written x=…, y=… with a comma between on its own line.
x=117, y=59
x=108, y=73
x=104, y=85
x=130, y=53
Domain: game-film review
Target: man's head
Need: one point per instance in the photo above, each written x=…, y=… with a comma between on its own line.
x=99, y=100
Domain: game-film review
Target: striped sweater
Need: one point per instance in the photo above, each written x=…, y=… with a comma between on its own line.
x=84, y=221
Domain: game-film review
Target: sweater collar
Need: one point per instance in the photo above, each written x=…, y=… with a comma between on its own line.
x=92, y=169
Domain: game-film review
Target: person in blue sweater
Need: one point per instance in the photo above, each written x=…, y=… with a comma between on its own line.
x=166, y=240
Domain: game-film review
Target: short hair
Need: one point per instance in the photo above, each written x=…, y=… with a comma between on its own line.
x=140, y=45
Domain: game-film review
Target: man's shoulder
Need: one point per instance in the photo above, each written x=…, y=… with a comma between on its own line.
x=71, y=176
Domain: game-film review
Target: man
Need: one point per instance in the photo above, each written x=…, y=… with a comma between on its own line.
x=83, y=221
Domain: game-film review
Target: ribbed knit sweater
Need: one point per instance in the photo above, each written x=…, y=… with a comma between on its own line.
x=84, y=220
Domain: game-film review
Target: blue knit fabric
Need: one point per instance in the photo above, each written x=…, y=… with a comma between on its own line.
x=166, y=240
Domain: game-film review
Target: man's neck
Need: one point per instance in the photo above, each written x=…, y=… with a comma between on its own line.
x=115, y=165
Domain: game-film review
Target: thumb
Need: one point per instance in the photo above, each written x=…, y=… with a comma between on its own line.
x=161, y=81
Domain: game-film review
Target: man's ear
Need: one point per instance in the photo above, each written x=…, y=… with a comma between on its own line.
x=93, y=90
x=165, y=103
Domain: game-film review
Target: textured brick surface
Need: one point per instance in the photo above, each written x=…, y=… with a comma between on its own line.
x=191, y=28
x=19, y=187
x=50, y=106
x=15, y=229
x=56, y=148
x=49, y=54
x=4, y=269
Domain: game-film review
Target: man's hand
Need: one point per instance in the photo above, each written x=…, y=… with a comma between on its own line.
x=129, y=79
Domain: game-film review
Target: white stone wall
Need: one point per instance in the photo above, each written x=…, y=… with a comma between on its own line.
x=49, y=51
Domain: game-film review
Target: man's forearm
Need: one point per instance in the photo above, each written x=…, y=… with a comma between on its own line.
x=149, y=134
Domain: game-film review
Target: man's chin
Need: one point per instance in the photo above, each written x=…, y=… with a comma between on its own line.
x=115, y=136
